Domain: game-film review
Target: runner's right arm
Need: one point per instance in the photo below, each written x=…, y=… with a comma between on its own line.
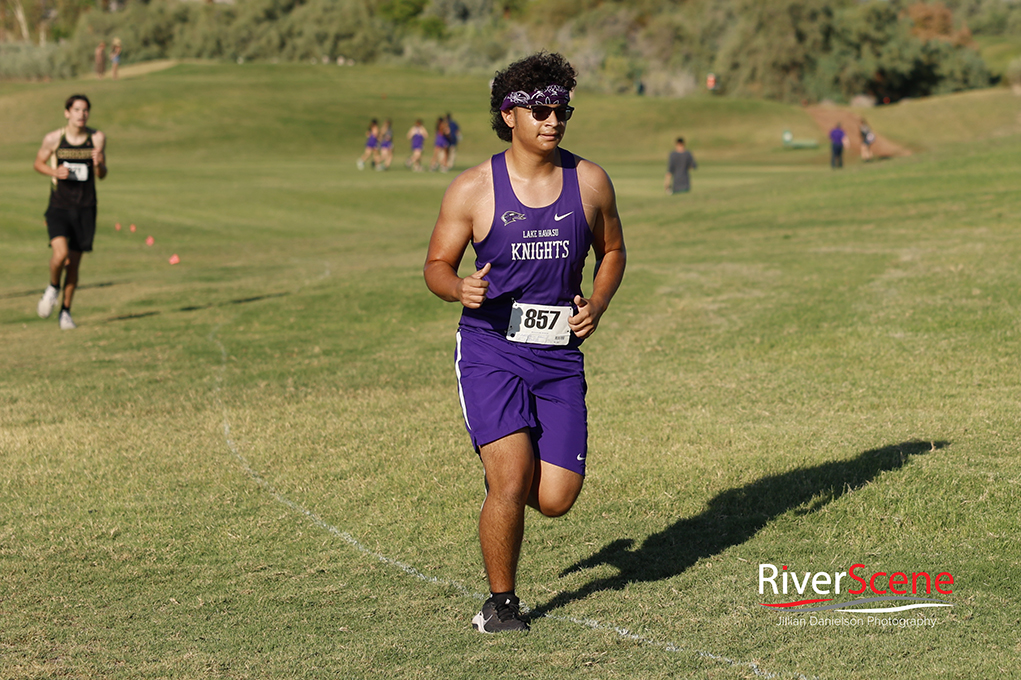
x=42, y=159
x=451, y=235
x=607, y=245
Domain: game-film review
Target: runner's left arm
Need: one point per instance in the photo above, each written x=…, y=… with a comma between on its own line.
x=99, y=154
x=608, y=244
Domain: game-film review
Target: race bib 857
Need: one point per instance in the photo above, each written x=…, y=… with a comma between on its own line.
x=539, y=324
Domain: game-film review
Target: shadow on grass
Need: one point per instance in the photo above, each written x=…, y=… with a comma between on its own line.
x=732, y=518
x=40, y=291
x=240, y=301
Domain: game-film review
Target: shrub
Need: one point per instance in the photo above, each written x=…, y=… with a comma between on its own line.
x=24, y=61
x=1013, y=74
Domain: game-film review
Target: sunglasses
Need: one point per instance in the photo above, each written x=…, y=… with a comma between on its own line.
x=562, y=113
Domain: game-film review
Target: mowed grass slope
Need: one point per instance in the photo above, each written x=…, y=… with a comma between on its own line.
x=252, y=464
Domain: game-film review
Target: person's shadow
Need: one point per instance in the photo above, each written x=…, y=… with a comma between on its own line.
x=732, y=518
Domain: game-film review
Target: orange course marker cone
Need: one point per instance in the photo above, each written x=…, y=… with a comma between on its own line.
x=174, y=259
x=149, y=240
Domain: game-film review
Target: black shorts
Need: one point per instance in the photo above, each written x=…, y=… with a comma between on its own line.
x=77, y=225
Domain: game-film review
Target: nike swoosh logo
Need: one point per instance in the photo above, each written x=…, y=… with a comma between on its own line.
x=557, y=218
x=581, y=458
x=481, y=623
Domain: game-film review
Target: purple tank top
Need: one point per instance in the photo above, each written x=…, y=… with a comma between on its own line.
x=537, y=254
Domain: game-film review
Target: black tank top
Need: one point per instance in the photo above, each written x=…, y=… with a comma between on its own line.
x=79, y=189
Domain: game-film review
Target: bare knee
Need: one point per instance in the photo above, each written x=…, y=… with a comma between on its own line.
x=60, y=252
x=507, y=492
x=558, y=509
x=509, y=465
x=554, y=490
x=555, y=504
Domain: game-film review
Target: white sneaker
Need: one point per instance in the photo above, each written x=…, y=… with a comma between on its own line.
x=66, y=322
x=360, y=163
x=47, y=301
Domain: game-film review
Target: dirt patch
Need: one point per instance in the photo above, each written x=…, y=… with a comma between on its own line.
x=828, y=116
x=136, y=70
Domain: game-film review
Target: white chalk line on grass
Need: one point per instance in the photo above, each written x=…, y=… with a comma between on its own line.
x=318, y=521
x=314, y=518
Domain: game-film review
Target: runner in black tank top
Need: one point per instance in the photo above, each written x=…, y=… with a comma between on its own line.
x=72, y=157
x=79, y=189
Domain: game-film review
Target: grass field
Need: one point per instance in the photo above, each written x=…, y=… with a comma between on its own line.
x=252, y=464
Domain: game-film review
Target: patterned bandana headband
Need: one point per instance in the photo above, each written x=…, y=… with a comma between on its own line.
x=551, y=96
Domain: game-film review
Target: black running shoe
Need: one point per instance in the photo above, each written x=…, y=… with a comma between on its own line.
x=498, y=617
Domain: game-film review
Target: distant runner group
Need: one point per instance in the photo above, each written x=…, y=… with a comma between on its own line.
x=379, y=145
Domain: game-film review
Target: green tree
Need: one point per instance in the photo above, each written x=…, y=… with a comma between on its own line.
x=774, y=46
x=401, y=12
x=875, y=49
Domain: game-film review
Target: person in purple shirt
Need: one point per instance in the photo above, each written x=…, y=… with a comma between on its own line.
x=371, y=146
x=838, y=142
x=386, y=145
x=531, y=214
x=417, y=135
x=441, y=144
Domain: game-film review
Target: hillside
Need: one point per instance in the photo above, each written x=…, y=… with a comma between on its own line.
x=787, y=50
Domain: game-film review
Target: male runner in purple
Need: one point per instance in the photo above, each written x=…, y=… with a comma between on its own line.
x=531, y=214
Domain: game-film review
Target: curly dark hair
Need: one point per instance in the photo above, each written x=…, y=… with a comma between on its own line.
x=528, y=74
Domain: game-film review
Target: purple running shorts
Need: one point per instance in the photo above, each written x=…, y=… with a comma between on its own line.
x=506, y=386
